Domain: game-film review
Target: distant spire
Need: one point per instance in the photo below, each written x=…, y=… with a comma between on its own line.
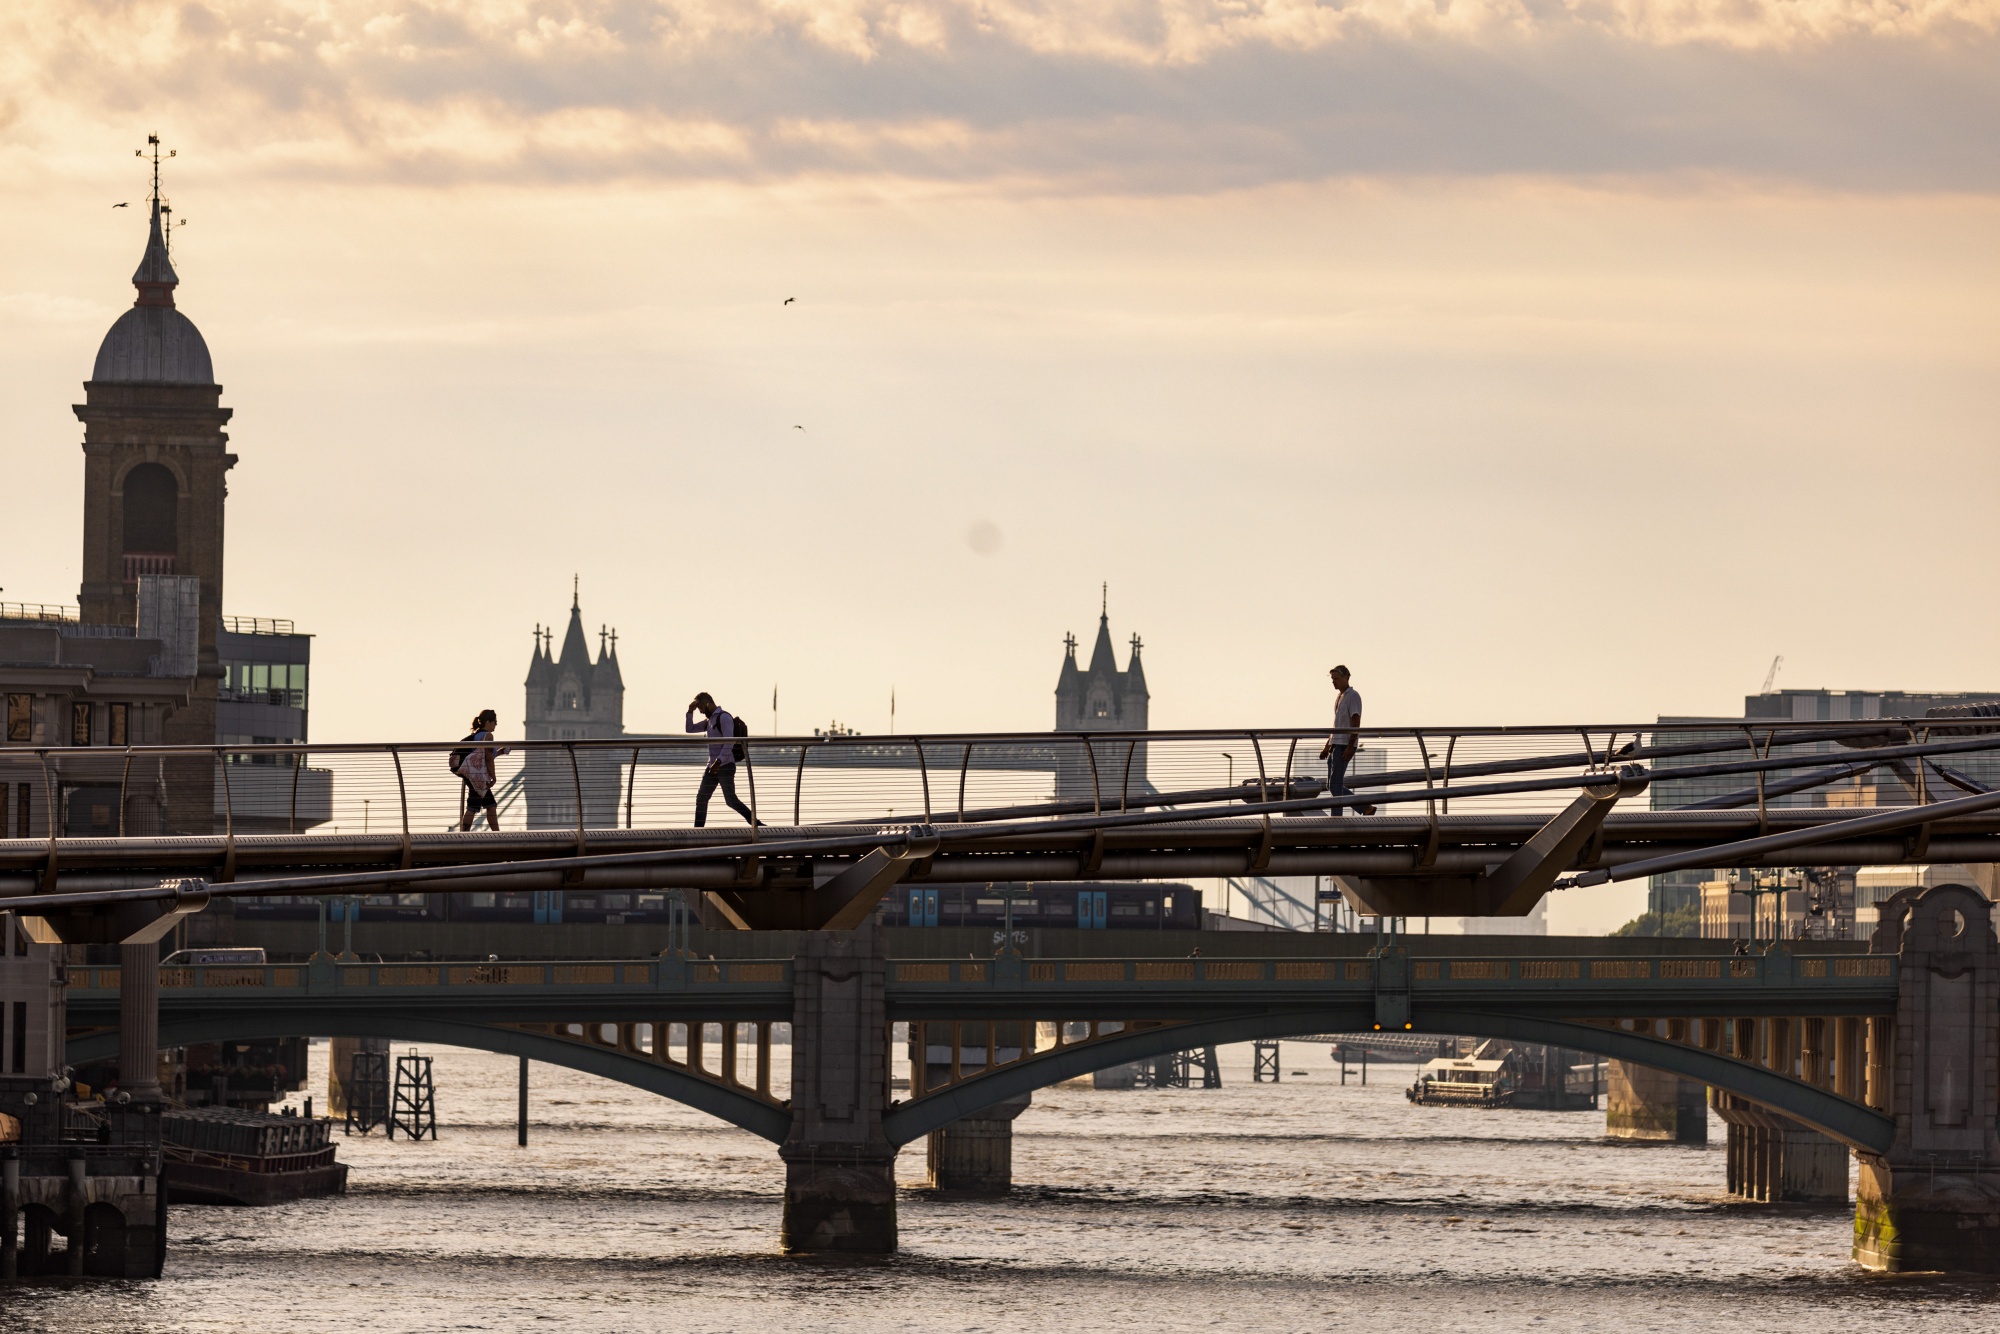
x=155, y=277
x=575, y=582
x=1104, y=611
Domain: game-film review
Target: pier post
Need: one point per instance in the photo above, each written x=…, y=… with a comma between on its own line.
x=1651, y=1106
x=139, y=1021
x=840, y=1169
x=10, y=1213
x=75, y=1201
x=1932, y=1202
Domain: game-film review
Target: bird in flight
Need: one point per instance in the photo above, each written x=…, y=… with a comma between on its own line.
x=120, y=205
x=798, y=428
x=788, y=300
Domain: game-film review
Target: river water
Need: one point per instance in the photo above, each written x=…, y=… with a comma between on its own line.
x=1299, y=1206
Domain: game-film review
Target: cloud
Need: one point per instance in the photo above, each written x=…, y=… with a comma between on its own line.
x=1119, y=95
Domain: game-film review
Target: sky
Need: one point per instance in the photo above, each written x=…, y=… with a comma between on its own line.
x=1542, y=361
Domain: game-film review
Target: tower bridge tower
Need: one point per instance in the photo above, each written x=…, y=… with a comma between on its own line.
x=570, y=697
x=1101, y=698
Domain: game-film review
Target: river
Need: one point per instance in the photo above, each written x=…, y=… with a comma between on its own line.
x=1298, y=1206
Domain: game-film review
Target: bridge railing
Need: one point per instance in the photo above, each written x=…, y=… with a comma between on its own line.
x=409, y=790
x=915, y=978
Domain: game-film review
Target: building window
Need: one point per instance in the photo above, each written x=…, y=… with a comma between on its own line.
x=20, y=717
x=119, y=733
x=281, y=683
x=79, y=724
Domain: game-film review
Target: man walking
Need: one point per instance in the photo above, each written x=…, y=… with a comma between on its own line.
x=476, y=767
x=721, y=771
x=1339, y=749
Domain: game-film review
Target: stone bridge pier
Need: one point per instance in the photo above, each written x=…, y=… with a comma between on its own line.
x=1932, y=1202
x=840, y=1169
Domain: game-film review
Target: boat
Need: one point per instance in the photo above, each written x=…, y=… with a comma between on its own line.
x=225, y=1155
x=1464, y=1082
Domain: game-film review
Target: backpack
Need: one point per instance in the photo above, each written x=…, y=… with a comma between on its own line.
x=458, y=757
x=741, y=729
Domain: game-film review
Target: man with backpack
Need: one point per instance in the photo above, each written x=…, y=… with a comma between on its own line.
x=724, y=750
x=475, y=766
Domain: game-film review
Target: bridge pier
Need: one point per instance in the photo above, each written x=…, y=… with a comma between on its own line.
x=1775, y=1160
x=1932, y=1202
x=1651, y=1106
x=974, y=1155
x=840, y=1169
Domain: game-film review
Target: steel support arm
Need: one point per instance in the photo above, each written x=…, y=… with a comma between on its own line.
x=1514, y=887
x=848, y=898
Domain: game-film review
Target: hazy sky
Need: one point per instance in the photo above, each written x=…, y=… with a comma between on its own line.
x=1540, y=360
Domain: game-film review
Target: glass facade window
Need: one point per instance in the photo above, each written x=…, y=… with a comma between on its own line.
x=20, y=717
x=265, y=683
x=79, y=724
x=119, y=730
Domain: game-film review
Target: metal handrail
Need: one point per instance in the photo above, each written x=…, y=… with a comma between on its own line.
x=1776, y=732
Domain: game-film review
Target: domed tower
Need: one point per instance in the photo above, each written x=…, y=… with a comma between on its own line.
x=155, y=457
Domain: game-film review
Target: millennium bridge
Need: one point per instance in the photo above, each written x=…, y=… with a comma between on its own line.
x=1892, y=1048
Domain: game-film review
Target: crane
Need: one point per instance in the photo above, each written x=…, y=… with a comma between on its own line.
x=1771, y=677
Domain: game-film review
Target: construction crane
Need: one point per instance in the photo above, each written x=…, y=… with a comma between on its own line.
x=1771, y=677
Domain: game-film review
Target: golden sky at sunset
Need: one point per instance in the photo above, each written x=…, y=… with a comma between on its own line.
x=1541, y=360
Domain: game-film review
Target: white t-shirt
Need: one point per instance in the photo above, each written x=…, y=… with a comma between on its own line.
x=1346, y=717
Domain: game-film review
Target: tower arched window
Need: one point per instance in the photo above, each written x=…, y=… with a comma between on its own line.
x=152, y=512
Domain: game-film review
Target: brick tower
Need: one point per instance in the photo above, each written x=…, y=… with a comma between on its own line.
x=155, y=460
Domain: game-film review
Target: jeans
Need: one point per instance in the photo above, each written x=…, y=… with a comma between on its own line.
x=724, y=776
x=1336, y=776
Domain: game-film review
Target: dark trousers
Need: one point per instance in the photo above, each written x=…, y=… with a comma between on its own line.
x=1336, y=777
x=723, y=776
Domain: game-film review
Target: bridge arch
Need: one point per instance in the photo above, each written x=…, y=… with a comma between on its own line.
x=739, y=1109
x=1849, y=1122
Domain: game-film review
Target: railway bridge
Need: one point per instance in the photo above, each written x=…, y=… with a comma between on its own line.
x=1889, y=1051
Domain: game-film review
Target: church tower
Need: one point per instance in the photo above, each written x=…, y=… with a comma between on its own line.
x=155, y=457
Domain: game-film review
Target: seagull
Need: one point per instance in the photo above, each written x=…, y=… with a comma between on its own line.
x=120, y=205
x=786, y=302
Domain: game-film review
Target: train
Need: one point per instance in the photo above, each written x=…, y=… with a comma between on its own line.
x=1084, y=904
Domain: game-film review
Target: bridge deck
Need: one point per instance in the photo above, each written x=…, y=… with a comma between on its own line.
x=1359, y=845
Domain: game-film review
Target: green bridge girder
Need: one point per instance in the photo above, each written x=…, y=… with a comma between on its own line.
x=1522, y=997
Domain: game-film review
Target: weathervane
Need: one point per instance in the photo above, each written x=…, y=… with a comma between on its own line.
x=166, y=209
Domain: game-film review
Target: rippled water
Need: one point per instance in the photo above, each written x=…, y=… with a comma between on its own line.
x=1301, y=1206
